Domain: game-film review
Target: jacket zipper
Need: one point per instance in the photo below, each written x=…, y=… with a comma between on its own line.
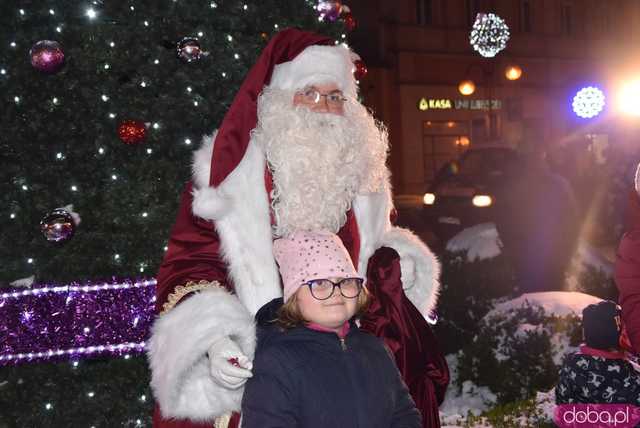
x=343, y=345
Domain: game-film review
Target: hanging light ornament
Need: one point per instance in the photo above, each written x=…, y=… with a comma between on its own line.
x=58, y=225
x=329, y=10
x=588, y=102
x=132, y=131
x=489, y=34
x=189, y=50
x=359, y=69
x=47, y=56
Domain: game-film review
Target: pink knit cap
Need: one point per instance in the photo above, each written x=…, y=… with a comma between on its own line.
x=305, y=256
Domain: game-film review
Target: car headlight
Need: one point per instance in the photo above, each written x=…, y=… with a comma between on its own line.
x=482, y=201
x=429, y=198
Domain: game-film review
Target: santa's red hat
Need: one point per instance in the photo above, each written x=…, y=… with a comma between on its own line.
x=292, y=60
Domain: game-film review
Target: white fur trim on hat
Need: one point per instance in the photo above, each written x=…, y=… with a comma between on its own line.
x=318, y=65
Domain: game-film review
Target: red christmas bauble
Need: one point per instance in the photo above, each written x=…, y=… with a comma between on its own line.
x=349, y=21
x=360, y=69
x=132, y=131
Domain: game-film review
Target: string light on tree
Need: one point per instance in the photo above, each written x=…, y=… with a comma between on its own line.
x=489, y=34
x=588, y=102
x=92, y=13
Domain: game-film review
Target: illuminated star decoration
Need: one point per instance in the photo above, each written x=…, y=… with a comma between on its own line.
x=489, y=34
x=588, y=102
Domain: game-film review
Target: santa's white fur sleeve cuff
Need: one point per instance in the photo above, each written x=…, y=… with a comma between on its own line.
x=419, y=267
x=180, y=339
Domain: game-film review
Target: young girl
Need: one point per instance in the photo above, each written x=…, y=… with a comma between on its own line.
x=315, y=368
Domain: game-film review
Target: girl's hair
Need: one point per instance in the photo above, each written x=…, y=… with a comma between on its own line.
x=289, y=315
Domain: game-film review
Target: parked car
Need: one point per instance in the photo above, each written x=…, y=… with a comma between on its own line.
x=466, y=192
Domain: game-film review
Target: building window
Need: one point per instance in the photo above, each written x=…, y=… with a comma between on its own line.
x=566, y=19
x=424, y=12
x=525, y=16
x=473, y=8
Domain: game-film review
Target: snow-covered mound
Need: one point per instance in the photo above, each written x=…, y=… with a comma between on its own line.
x=558, y=303
x=524, y=340
x=480, y=242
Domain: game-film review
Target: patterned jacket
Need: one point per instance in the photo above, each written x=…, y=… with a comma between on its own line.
x=595, y=376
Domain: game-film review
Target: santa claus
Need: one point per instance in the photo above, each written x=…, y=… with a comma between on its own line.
x=296, y=151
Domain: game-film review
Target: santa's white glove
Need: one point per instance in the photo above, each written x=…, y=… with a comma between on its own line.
x=230, y=368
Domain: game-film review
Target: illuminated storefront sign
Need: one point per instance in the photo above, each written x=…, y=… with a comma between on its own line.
x=447, y=104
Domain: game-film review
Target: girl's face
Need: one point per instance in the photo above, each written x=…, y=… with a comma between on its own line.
x=331, y=313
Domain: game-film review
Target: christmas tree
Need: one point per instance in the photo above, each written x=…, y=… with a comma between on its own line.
x=103, y=104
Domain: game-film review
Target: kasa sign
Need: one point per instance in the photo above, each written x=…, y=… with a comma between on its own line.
x=447, y=104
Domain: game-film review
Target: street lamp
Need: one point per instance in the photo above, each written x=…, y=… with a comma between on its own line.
x=513, y=72
x=467, y=87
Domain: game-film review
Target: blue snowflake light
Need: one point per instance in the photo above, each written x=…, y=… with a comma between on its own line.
x=588, y=102
x=489, y=34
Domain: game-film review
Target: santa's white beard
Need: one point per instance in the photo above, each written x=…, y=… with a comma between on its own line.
x=319, y=161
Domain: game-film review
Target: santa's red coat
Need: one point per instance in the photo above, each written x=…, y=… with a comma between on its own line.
x=194, y=254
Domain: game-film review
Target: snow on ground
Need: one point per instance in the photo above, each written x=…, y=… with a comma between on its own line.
x=475, y=400
x=457, y=404
x=23, y=282
x=480, y=242
x=558, y=303
x=546, y=403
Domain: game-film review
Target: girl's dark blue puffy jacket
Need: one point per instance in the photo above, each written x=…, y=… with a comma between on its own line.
x=304, y=378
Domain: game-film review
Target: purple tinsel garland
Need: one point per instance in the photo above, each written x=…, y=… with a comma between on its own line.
x=54, y=323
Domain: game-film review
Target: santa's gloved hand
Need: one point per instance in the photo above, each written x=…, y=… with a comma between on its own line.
x=230, y=368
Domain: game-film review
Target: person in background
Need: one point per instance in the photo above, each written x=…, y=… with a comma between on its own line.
x=627, y=270
x=538, y=224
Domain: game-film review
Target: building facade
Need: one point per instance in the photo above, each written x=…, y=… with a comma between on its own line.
x=418, y=53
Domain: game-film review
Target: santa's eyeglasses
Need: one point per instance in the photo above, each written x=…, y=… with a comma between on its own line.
x=313, y=96
x=322, y=289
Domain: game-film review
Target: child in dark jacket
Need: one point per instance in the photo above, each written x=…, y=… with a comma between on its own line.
x=316, y=368
x=600, y=372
